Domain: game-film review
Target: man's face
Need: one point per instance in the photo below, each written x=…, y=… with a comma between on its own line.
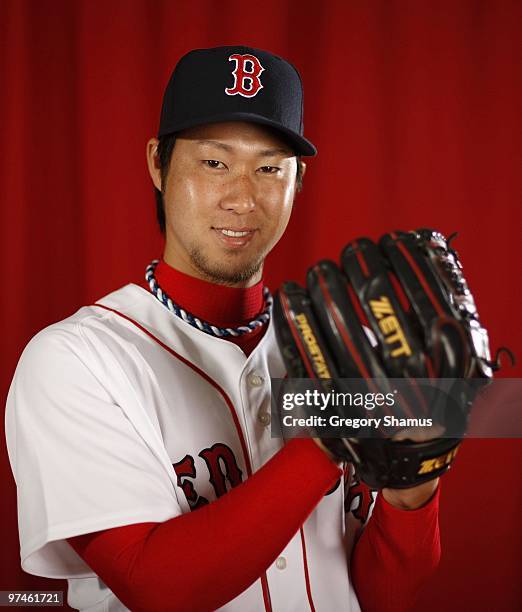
x=228, y=198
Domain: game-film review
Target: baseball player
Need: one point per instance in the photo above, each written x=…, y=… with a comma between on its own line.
x=138, y=428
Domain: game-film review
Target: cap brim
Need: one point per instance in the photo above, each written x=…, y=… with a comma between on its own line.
x=301, y=145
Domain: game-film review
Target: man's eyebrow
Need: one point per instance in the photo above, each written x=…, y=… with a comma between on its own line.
x=215, y=143
x=276, y=151
x=262, y=153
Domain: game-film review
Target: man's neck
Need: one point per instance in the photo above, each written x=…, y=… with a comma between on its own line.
x=218, y=304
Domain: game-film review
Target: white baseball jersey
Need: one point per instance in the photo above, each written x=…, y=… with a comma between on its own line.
x=104, y=404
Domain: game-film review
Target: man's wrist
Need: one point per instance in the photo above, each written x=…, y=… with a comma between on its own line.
x=323, y=448
x=413, y=497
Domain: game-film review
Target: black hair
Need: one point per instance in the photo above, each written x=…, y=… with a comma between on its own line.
x=164, y=153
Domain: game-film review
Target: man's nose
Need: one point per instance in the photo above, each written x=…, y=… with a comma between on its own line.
x=240, y=197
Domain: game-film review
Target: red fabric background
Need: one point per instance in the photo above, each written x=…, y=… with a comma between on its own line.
x=415, y=109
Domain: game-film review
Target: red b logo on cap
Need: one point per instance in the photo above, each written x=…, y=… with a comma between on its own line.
x=246, y=81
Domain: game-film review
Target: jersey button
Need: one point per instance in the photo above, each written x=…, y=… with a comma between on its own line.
x=254, y=380
x=280, y=563
x=264, y=418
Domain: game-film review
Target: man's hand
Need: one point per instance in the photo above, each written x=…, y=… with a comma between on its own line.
x=414, y=497
x=403, y=499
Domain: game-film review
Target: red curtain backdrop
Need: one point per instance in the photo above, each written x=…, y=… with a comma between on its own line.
x=415, y=107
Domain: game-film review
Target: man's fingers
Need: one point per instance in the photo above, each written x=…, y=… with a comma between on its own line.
x=420, y=434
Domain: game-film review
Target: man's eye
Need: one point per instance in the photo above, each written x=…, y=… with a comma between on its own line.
x=270, y=169
x=213, y=163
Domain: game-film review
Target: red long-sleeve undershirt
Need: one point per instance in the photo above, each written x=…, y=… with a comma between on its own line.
x=203, y=559
x=397, y=552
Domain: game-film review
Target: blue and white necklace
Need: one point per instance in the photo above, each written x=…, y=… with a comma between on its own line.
x=220, y=332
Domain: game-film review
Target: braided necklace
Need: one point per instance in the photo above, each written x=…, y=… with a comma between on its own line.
x=213, y=330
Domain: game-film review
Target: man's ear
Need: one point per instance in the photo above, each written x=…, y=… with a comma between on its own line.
x=153, y=162
x=303, y=166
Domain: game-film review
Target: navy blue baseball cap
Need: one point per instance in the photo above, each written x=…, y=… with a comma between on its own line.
x=236, y=83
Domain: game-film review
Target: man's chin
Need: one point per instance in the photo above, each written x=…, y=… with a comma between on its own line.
x=231, y=272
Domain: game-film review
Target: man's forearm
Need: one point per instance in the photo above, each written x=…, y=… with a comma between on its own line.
x=203, y=559
x=397, y=551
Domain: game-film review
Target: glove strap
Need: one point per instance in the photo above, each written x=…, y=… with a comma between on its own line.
x=398, y=465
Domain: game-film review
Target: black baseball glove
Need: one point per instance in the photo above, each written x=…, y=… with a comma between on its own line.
x=399, y=309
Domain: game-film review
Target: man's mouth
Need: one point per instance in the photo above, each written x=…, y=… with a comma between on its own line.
x=234, y=237
x=234, y=233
